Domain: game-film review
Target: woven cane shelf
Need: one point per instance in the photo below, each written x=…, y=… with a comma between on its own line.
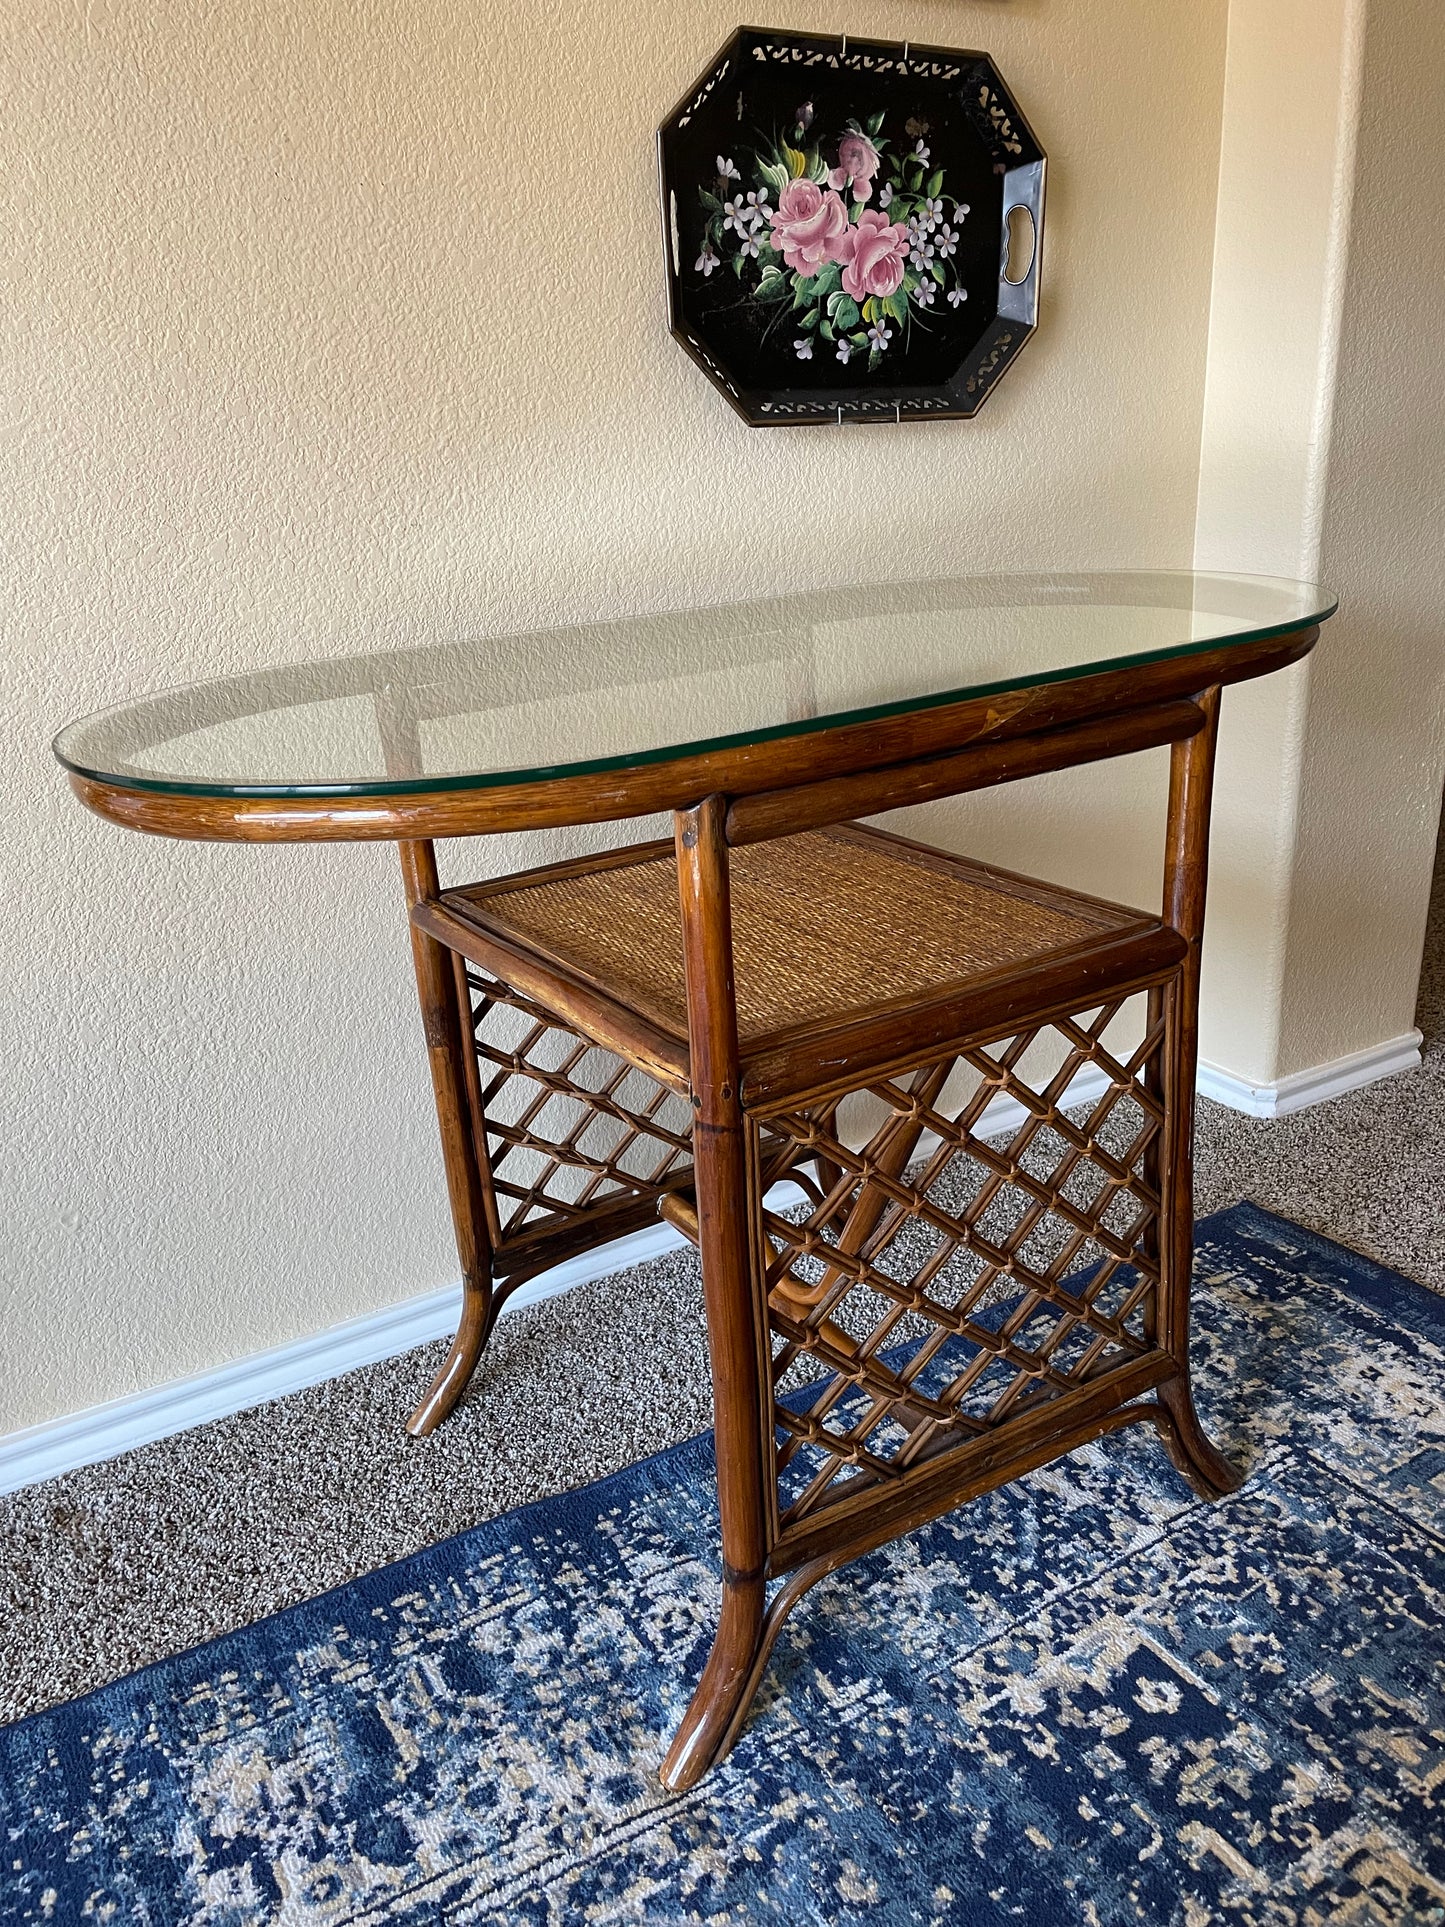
x=831, y=929
x=924, y=1325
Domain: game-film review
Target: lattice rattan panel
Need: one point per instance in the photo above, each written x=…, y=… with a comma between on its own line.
x=569, y=1126
x=946, y=1283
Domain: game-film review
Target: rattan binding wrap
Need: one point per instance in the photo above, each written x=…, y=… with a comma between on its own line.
x=824, y=924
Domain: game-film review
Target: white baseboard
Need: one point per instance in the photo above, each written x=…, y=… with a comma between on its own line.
x=104, y=1431
x=1303, y=1088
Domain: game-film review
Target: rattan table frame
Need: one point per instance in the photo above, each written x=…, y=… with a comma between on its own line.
x=752, y=1120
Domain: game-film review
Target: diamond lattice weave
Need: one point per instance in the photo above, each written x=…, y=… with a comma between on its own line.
x=1089, y=1697
x=888, y=1283
x=568, y=1124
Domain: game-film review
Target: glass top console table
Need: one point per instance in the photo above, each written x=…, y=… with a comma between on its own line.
x=929, y=1123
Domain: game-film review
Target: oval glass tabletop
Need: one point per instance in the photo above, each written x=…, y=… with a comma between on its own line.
x=615, y=695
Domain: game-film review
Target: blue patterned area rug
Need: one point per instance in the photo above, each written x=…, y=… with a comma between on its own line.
x=1087, y=1698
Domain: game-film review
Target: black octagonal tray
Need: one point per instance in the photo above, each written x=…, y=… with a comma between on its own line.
x=841, y=219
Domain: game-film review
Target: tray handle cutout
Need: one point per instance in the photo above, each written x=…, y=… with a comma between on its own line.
x=1022, y=240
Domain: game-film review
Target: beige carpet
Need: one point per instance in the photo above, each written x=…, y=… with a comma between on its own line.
x=108, y=1568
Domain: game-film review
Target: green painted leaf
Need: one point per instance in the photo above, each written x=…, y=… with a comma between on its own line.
x=737, y=266
x=910, y=281
x=709, y=201
x=937, y=270
x=775, y=176
x=794, y=159
x=802, y=290
x=935, y=185
x=874, y=359
x=846, y=312
x=829, y=278
x=816, y=168
x=871, y=309
x=773, y=285
x=875, y=121
x=860, y=340
x=810, y=319
x=825, y=329
x=896, y=304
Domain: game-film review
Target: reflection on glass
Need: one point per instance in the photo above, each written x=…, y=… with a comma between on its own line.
x=564, y=701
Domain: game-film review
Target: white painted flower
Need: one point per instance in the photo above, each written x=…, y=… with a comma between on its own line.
x=955, y=295
x=749, y=245
x=964, y=209
x=880, y=336
x=920, y=152
x=946, y=241
x=932, y=214
x=735, y=215
x=706, y=261
x=726, y=171
x=803, y=347
x=885, y=198
x=921, y=253
x=845, y=351
x=759, y=212
x=923, y=294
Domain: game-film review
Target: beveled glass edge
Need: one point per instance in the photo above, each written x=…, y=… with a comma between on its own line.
x=699, y=746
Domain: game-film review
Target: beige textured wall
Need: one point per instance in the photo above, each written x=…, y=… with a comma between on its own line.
x=1290, y=96
x=1373, y=756
x=330, y=326
x=1322, y=454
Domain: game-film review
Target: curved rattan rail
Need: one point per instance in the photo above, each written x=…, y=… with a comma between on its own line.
x=819, y=754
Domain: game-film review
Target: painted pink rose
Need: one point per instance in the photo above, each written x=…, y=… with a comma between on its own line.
x=807, y=226
x=857, y=164
x=873, y=255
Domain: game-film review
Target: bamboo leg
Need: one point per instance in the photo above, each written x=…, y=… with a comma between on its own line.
x=1186, y=865
x=1157, y=1083
x=1190, y=1447
x=719, y=1153
x=446, y=1049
